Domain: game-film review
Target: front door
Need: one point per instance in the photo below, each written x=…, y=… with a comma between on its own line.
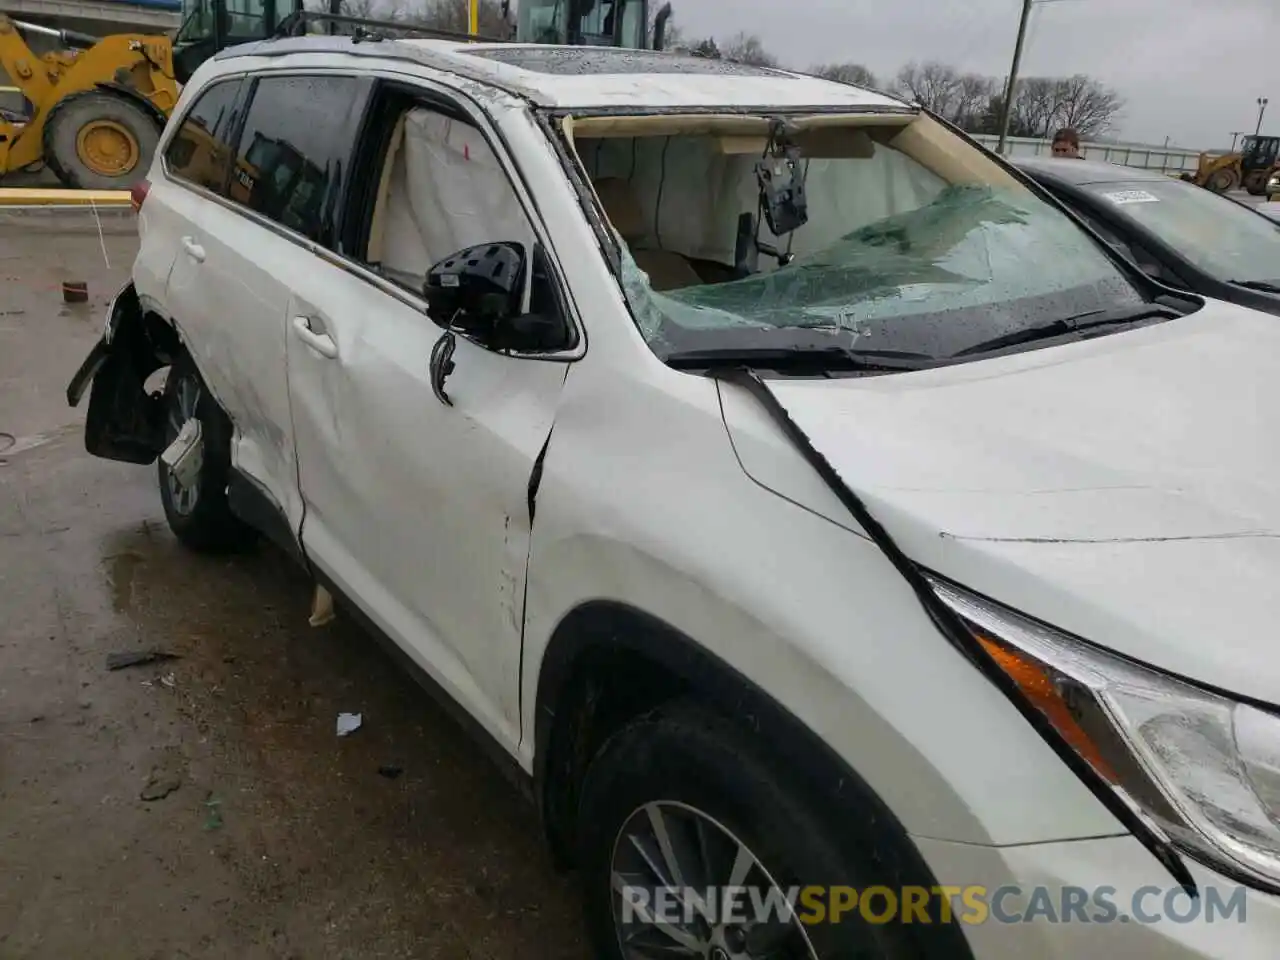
x=419, y=509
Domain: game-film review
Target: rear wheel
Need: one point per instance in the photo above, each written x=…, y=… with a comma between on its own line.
x=198, y=512
x=100, y=141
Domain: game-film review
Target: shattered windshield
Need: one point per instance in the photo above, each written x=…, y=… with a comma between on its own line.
x=904, y=248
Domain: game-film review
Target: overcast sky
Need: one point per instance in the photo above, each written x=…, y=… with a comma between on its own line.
x=1191, y=70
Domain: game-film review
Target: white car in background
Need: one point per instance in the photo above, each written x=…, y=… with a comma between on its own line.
x=787, y=490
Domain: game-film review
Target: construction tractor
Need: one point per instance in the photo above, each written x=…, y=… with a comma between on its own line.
x=596, y=23
x=94, y=109
x=1251, y=168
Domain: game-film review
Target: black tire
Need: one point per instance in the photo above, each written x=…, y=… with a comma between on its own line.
x=70, y=115
x=690, y=758
x=1223, y=181
x=204, y=523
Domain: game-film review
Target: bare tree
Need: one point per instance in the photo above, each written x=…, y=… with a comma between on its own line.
x=706, y=48
x=1087, y=105
x=854, y=73
x=748, y=48
x=973, y=98
x=1036, y=105
x=934, y=85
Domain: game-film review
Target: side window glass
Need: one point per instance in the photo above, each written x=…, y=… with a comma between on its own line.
x=295, y=150
x=436, y=189
x=200, y=152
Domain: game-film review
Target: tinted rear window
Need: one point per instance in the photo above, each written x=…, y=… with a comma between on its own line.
x=200, y=152
x=296, y=148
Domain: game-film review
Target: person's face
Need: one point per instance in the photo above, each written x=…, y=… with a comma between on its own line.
x=1061, y=148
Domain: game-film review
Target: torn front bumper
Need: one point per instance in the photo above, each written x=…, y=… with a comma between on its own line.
x=124, y=421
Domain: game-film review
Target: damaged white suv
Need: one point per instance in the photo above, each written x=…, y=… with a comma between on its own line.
x=850, y=554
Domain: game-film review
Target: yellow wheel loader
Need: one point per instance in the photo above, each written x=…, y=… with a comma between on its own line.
x=95, y=108
x=1251, y=168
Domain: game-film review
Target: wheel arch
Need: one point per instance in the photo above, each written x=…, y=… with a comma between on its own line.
x=652, y=662
x=129, y=93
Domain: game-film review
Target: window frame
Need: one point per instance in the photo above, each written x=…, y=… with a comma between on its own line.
x=350, y=134
x=367, y=166
x=238, y=105
x=430, y=92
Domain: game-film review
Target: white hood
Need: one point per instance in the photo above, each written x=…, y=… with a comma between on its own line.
x=1126, y=489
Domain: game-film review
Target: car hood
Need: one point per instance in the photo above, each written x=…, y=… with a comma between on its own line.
x=1124, y=488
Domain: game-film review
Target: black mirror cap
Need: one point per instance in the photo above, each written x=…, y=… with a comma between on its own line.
x=477, y=287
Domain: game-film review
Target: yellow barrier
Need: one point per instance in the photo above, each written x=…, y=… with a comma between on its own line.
x=52, y=197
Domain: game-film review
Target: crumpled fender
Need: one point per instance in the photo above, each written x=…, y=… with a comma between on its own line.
x=125, y=422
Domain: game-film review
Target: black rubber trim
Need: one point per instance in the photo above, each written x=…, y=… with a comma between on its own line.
x=954, y=629
x=506, y=763
x=251, y=502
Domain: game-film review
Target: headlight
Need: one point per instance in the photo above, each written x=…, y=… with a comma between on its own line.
x=1201, y=770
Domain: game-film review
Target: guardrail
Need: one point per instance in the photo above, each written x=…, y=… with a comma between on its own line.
x=1165, y=159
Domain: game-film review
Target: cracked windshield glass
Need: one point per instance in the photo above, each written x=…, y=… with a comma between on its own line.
x=884, y=236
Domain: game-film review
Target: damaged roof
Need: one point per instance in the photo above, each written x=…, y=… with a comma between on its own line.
x=593, y=77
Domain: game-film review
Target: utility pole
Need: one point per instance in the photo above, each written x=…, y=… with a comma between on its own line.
x=1235, y=135
x=1262, y=108
x=1011, y=87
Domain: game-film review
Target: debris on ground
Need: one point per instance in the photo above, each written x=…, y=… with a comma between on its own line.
x=321, y=607
x=349, y=723
x=169, y=680
x=137, y=658
x=390, y=771
x=160, y=786
x=213, y=818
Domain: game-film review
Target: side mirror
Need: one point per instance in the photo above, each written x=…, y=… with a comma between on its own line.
x=478, y=289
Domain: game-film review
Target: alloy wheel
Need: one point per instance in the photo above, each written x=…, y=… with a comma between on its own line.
x=685, y=886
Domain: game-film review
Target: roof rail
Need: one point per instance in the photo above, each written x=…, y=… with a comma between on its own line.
x=369, y=28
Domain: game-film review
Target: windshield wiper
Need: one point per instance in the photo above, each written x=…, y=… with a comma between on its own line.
x=1264, y=285
x=1091, y=320
x=800, y=359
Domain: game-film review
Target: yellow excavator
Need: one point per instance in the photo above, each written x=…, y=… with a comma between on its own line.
x=95, y=108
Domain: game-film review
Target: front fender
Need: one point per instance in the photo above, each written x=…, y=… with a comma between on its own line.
x=648, y=507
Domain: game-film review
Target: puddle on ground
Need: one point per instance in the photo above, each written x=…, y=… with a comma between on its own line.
x=122, y=570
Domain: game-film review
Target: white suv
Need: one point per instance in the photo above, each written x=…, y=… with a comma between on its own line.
x=848, y=552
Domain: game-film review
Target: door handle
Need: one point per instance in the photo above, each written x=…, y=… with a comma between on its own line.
x=193, y=249
x=321, y=343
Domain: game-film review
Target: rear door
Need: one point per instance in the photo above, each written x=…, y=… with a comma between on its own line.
x=189, y=175
x=255, y=245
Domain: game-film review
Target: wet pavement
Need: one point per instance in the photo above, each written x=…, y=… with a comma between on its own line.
x=268, y=836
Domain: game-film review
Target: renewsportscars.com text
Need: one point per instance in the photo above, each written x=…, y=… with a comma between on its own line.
x=944, y=904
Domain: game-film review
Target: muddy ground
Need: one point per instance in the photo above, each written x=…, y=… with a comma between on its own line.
x=268, y=836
